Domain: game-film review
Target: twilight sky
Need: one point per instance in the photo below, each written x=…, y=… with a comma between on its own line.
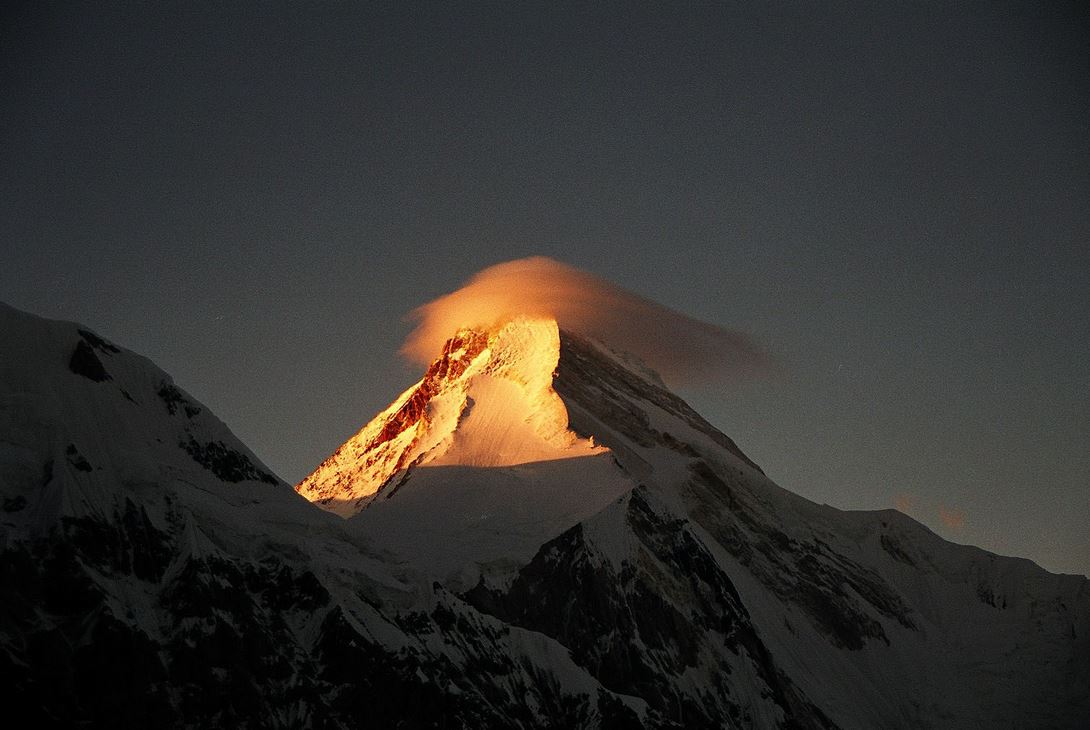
x=894, y=201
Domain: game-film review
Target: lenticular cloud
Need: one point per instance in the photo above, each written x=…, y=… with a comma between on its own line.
x=680, y=348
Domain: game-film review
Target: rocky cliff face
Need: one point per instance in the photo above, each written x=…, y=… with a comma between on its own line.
x=656, y=619
x=636, y=571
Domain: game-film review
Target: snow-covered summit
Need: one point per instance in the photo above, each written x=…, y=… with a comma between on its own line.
x=80, y=416
x=486, y=401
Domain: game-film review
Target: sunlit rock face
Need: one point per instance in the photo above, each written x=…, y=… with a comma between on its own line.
x=486, y=401
x=475, y=466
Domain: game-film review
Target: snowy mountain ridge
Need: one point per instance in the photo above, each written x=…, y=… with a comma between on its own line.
x=878, y=590
x=540, y=535
x=148, y=582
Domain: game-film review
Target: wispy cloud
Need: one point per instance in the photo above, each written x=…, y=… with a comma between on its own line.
x=680, y=348
x=951, y=518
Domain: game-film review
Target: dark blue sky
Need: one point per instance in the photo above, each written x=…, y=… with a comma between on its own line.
x=893, y=199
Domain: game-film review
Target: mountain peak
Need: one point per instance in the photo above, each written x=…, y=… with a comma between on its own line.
x=486, y=400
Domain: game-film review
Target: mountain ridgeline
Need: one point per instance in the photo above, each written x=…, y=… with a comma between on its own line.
x=537, y=534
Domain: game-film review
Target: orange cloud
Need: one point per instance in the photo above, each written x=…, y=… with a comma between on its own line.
x=680, y=348
x=952, y=518
x=903, y=502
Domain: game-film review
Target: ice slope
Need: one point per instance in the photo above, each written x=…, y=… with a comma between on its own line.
x=453, y=521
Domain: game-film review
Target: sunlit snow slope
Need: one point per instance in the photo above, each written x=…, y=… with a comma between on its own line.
x=474, y=465
x=487, y=401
